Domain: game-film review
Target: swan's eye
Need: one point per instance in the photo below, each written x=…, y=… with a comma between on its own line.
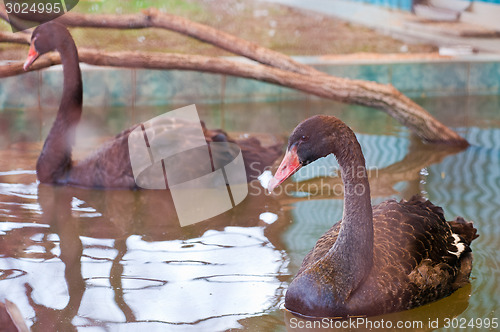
x=304, y=138
x=33, y=41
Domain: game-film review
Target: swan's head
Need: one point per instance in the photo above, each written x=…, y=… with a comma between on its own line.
x=45, y=38
x=312, y=139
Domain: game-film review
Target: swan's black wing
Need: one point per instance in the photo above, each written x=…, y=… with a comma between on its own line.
x=417, y=257
x=257, y=157
x=324, y=244
x=109, y=166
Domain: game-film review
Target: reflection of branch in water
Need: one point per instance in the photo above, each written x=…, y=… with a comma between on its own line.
x=382, y=181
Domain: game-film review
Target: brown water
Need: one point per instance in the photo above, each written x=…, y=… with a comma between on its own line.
x=77, y=259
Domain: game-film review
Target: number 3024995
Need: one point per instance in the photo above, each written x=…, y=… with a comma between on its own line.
x=33, y=8
x=462, y=323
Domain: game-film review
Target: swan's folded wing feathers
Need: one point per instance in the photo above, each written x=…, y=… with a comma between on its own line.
x=412, y=263
x=324, y=244
x=107, y=167
x=423, y=247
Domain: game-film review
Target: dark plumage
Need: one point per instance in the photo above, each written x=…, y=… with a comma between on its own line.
x=393, y=257
x=109, y=166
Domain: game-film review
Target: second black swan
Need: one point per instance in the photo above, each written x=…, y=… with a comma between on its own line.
x=109, y=166
x=392, y=257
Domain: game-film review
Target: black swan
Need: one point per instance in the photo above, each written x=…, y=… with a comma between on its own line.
x=109, y=166
x=395, y=257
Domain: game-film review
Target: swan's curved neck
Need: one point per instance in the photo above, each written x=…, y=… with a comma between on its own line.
x=352, y=254
x=55, y=160
x=71, y=101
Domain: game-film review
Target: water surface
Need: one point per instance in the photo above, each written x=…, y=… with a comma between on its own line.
x=73, y=258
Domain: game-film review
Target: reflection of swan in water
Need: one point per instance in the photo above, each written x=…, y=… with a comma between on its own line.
x=57, y=213
x=151, y=214
x=136, y=244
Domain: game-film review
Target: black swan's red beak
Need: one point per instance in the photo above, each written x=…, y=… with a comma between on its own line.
x=287, y=168
x=32, y=56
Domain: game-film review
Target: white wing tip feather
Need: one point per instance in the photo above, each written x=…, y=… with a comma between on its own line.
x=458, y=244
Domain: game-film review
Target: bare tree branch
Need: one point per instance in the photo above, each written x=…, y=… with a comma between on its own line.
x=17, y=38
x=383, y=97
x=284, y=71
x=152, y=17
